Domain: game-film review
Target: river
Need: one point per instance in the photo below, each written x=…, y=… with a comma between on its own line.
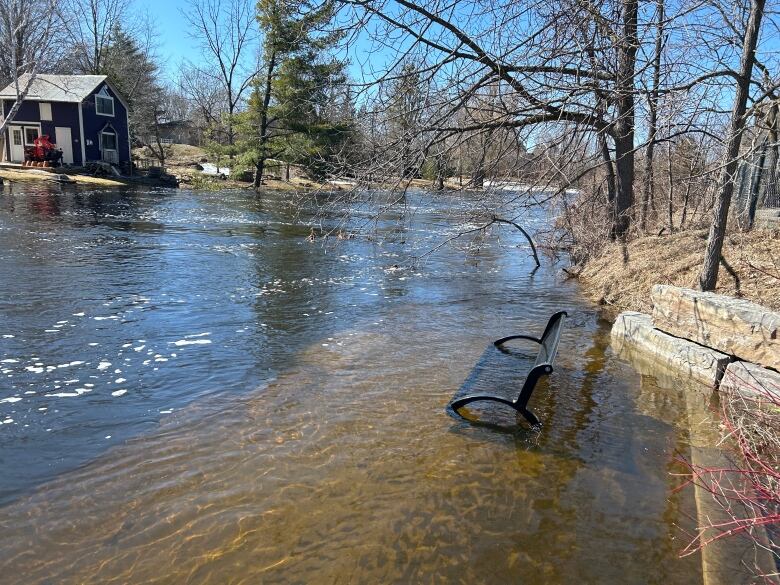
x=191, y=391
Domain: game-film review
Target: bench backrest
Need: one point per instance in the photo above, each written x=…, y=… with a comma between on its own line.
x=548, y=347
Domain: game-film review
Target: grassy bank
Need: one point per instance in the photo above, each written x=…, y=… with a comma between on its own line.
x=621, y=278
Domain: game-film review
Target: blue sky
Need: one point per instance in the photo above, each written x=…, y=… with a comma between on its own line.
x=173, y=40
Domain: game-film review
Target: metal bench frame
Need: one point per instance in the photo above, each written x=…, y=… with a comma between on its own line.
x=543, y=366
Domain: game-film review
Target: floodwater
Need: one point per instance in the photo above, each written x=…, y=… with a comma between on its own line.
x=193, y=392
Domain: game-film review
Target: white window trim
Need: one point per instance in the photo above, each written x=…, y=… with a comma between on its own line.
x=116, y=140
x=113, y=105
x=24, y=126
x=49, y=116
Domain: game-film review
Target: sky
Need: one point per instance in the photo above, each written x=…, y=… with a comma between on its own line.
x=174, y=44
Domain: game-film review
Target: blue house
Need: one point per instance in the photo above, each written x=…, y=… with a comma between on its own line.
x=82, y=114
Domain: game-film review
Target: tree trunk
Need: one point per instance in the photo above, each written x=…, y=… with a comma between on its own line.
x=670, y=198
x=652, y=122
x=611, y=180
x=260, y=164
x=623, y=133
x=708, y=278
x=756, y=182
x=439, y=173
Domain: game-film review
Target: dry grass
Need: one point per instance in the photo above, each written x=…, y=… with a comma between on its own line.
x=621, y=278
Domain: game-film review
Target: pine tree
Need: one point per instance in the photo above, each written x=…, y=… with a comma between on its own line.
x=131, y=70
x=287, y=117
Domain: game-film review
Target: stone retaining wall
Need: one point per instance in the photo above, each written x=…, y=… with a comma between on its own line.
x=698, y=334
x=684, y=357
x=734, y=326
x=705, y=337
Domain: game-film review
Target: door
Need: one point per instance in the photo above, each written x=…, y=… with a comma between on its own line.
x=63, y=140
x=17, y=144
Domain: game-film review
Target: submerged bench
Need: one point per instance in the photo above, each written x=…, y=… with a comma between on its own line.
x=543, y=366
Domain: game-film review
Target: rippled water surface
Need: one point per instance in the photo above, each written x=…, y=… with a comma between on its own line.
x=193, y=392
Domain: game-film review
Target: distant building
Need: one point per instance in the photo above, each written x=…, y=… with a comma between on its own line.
x=82, y=114
x=177, y=132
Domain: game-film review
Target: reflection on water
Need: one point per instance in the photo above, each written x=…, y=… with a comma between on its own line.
x=283, y=419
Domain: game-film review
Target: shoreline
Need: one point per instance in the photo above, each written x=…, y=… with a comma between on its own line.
x=620, y=279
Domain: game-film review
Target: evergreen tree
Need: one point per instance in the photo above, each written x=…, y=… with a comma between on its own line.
x=133, y=72
x=288, y=115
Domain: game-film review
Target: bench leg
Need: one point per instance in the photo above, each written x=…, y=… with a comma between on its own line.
x=463, y=401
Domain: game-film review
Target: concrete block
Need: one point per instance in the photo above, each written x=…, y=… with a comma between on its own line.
x=751, y=380
x=733, y=326
x=681, y=357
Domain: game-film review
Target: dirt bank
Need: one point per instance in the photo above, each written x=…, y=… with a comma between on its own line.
x=622, y=276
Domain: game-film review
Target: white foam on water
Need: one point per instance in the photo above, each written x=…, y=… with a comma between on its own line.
x=78, y=314
x=7, y=421
x=166, y=411
x=105, y=318
x=51, y=330
x=8, y=336
x=104, y=365
x=182, y=342
x=76, y=392
x=93, y=344
x=120, y=380
x=117, y=371
x=9, y=361
x=34, y=369
x=139, y=348
x=10, y=400
x=119, y=393
x=126, y=345
x=197, y=335
x=69, y=364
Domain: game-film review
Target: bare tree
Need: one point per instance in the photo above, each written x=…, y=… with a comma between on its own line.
x=90, y=25
x=709, y=273
x=25, y=56
x=228, y=35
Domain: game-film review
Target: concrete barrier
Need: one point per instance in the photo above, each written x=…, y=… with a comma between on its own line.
x=733, y=326
x=683, y=357
x=752, y=381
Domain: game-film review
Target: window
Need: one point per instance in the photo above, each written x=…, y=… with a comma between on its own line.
x=45, y=111
x=104, y=105
x=17, y=137
x=30, y=134
x=107, y=140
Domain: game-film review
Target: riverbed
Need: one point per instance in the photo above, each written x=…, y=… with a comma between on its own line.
x=193, y=391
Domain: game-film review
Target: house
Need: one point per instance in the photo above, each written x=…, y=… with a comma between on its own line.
x=176, y=132
x=82, y=114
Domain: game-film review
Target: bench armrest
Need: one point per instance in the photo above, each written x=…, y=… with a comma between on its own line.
x=500, y=342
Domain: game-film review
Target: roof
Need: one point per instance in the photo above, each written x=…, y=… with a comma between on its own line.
x=56, y=88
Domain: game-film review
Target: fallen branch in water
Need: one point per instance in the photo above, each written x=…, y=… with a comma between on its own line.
x=493, y=220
